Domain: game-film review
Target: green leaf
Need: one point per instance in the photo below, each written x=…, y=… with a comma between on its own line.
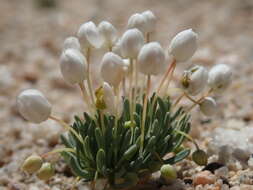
x=101, y=161
x=178, y=157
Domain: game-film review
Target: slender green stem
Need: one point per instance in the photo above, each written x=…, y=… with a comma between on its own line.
x=191, y=99
x=145, y=111
x=173, y=64
x=58, y=150
x=102, y=120
x=67, y=127
x=188, y=137
x=89, y=82
x=85, y=95
x=131, y=91
x=200, y=99
x=178, y=100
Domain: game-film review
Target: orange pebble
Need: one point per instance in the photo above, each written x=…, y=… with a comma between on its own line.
x=203, y=178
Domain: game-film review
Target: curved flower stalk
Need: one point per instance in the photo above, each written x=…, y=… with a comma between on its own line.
x=129, y=129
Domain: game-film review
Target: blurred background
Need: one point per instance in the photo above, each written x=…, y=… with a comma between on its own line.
x=32, y=33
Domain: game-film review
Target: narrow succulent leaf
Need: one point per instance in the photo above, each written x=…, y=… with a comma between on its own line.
x=101, y=161
x=178, y=157
x=130, y=152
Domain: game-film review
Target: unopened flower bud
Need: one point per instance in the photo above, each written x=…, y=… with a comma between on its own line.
x=168, y=172
x=200, y=157
x=71, y=43
x=131, y=43
x=208, y=106
x=183, y=45
x=33, y=106
x=89, y=36
x=46, y=171
x=32, y=164
x=112, y=69
x=73, y=66
x=194, y=80
x=108, y=33
x=220, y=76
x=151, y=59
x=137, y=21
x=150, y=20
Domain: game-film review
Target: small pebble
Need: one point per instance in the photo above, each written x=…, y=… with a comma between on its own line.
x=203, y=178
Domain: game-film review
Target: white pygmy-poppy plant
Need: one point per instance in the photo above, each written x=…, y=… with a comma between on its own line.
x=194, y=80
x=220, y=76
x=108, y=33
x=89, y=36
x=73, y=66
x=208, y=106
x=33, y=106
x=71, y=43
x=183, y=45
x=151, y=59
x=112, y=69
x=131, y=43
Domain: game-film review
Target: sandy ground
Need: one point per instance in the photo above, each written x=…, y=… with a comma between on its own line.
x=31, y=39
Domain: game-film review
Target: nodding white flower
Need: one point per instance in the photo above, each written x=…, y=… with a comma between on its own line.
x=150, y=20
x=208, y=106
x=71, y=43
x=183, y=45
x=112, y=69
x=220, y=76
x=138, y=21
x=33, y=106
x=108, y=32
x=73, y=66
x=131, y=43
x=194, y=80
x=151, y=59
x=89, y=36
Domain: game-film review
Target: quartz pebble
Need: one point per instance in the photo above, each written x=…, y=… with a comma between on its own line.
x=203, y=178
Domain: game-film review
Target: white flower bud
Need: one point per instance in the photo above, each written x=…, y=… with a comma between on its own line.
x=108, y=32
x=194, y=80
x=183, y=45
x=151, y=59
x=131, y=43
x=112, y=69
x=138, y=21
x=109, y=99
x=150, y=20
x=220, y=76
x=89, y=36
x=71, y=43
x=208, y=106
x=33, y=106
x=73, y=66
